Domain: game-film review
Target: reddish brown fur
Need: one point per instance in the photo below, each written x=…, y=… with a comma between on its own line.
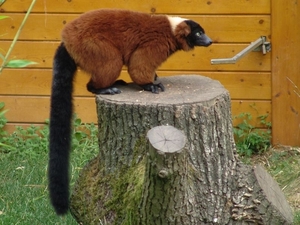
x=102, y=41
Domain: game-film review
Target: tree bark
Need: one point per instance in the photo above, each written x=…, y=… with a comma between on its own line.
x=204, y=183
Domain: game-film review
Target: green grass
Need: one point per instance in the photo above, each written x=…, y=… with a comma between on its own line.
x=297, y=218
x=23, y=172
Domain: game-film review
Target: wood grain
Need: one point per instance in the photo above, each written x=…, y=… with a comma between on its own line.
x=220, y=28
x=152, y=6
x=37, y=82
x=23, y=109
x=198, y=59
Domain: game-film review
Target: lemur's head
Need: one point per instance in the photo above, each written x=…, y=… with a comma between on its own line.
x=197, y=36
x=188, y=33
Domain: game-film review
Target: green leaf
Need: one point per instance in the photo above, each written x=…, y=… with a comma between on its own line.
x=2, y=17
x=77, y=122
x=18, y=63
x=6, y=146
x=3, y=112
x=2, y=104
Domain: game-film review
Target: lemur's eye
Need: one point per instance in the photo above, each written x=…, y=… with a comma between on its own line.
x=198, y=34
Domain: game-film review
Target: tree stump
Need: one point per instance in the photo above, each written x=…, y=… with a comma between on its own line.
x=200, y=181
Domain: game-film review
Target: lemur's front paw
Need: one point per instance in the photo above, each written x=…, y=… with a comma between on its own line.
x=154, y=88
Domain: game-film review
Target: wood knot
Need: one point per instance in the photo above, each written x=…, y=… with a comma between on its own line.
x=153, y=10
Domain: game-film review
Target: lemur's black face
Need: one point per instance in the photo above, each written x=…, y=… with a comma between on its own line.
x=197, y=37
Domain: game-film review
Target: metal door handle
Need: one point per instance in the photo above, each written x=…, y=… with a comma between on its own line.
x=259, y=45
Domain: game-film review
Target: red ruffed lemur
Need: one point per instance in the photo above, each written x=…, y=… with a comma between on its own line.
x=100, y=42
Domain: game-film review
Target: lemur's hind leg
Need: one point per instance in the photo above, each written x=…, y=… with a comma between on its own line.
x=104, y=62
x=142, y=69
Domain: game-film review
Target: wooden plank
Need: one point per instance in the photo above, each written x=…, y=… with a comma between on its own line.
x=241, y=85
x=285, y=72
x=229, y=28
x=198, y=59
x=220, y=28
x=150, y=6
x=36, y=109
x=40, y=52
x=25, y=82
x=255, y=108
x=23, y=109
x=36, y=82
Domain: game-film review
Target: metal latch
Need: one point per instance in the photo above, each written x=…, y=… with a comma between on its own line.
x=259, y=45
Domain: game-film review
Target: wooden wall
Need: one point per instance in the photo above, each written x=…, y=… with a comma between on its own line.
x=231, y=24
x=286, y=72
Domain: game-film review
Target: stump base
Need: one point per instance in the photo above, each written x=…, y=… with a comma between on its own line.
x=215, y=187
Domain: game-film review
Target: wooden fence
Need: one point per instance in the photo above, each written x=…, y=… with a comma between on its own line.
x=231, y=24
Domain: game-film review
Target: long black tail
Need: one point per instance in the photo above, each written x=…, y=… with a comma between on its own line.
x=64, y=68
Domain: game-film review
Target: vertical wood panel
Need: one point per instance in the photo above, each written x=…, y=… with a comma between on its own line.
x=286, y=72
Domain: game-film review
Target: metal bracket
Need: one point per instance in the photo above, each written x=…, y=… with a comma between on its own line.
x=259, y=45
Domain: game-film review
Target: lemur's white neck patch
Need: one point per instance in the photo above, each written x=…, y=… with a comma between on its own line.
x=174, y=21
